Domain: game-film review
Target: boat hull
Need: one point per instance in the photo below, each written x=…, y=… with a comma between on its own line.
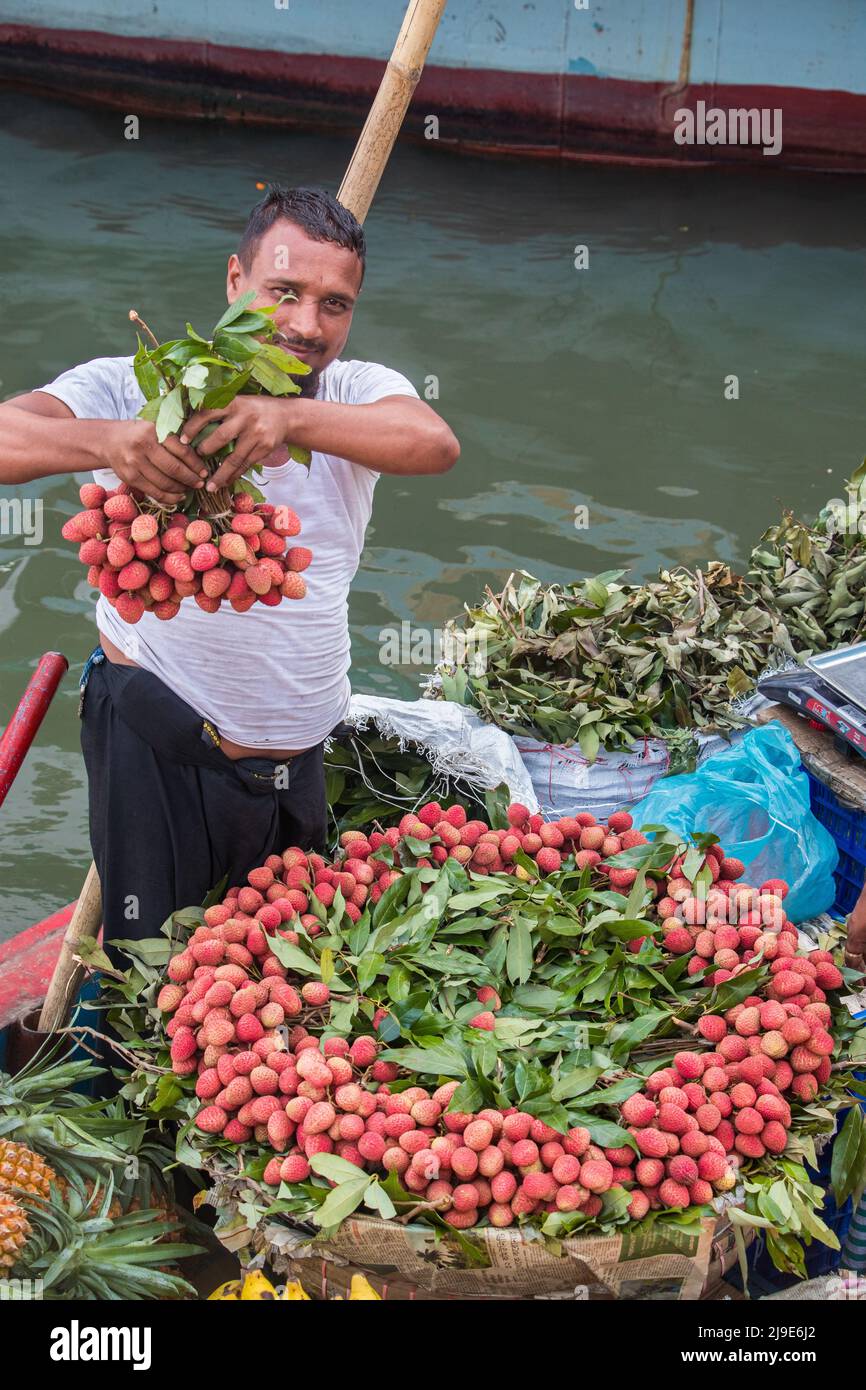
x=558, y=89
x=27, y=963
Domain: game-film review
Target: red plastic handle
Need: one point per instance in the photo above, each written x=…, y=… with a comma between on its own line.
x=29, y=713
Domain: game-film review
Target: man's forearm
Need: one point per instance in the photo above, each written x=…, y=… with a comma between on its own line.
x=856, y=943
x=36, y=446
x=390, y=436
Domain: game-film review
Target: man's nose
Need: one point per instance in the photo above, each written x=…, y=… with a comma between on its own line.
x=301, y=320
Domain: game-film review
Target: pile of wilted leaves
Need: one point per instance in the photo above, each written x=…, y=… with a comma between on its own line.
x=603, y=663
x=814, y=577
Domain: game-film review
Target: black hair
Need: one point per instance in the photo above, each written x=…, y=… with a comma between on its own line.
x=314, y=210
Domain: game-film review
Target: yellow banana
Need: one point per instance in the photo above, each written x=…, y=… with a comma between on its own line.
x=294, y=1293
x=230, y=1290
x=362, y=1288
x=257, y=1286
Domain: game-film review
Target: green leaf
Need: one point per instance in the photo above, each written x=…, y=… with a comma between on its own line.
x=468, y=1097
x=596, y=592
x=614, y=1094
x=292, y=956
x=517, y=1031
x=275, y=382
x=333, y=1168
x=168, y=1093
x=342, y=1201
x=326, y=965
x=537, y=997
x=634, y=1030
x=692, y=863
x=377, y=1199
x=220, y=396
x=811, y=1222
x=464, y=902
x=589, y=742
x=781, y=1199
x=626, y=929
x=235, y=310
x=432, y=1061
x=746, y=1218
x=369, y=966
x=604, y=1132
x=238, y=348
x=171, y=414
x=150, y=410
x=496, y=803
x=846, y=1172
x=249, y=323
x=195, y=375
x=518, y=958
x=399, y=983
x=146, y=374
x=575, y=1083
x=731, y=992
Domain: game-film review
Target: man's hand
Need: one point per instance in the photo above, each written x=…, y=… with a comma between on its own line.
x=855, y=946
x=259, y=425
x=164, y=471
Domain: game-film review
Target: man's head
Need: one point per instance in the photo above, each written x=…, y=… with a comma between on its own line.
x=302, y=243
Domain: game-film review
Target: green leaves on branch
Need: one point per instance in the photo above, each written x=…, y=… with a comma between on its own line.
x=194, y=373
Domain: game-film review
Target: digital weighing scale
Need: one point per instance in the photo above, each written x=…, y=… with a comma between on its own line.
x=830, y=690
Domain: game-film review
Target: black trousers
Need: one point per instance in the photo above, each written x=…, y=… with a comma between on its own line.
x=170, y=814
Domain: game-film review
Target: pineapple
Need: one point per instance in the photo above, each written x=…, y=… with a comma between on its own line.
x=22, y=1170
x=14, y=1230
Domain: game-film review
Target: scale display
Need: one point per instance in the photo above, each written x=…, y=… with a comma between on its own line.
x=845, y=671
x=830, y=689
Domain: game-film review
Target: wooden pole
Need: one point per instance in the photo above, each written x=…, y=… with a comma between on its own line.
x=357, y=191
x=390, y=105
x=85, y=922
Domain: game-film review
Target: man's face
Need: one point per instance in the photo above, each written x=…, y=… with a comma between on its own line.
x=324, y=281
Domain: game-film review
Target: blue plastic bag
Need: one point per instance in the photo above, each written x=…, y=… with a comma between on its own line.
x=755, y=797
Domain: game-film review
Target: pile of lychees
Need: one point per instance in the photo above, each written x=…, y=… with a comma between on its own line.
x=731, y=1102
x=552, y=845
x=146, y=561
x=250, y=1033
x=497, y=1165
x=316, y=1097
x=730, y=924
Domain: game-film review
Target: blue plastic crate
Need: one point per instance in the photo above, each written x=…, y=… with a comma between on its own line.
x=848, y=829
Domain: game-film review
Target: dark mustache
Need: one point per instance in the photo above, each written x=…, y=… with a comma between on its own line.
x=306, y=347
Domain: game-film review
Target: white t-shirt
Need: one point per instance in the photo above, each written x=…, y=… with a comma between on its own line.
x=270, y=677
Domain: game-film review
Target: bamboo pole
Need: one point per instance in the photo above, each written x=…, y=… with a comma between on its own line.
x=357, y=191
x=85, y=922
x=390, y=105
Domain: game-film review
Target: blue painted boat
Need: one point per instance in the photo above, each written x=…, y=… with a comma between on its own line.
x=575, y=79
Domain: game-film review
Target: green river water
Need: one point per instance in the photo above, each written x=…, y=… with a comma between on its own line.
x=601, y=387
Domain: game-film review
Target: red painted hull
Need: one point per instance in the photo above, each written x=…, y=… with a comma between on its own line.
x=27, y=963
x=568, y=116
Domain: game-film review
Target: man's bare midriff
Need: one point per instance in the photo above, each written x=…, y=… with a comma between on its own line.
x=228, y=746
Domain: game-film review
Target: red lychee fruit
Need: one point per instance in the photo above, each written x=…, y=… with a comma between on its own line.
x=549, y=860
x=674, y=1194
x=485, y=1021
x=732, y=868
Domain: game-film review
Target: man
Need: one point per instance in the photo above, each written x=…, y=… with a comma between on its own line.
x=203, y=736
x=855, y=944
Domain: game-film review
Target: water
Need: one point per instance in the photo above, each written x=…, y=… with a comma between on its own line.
x=602, y=387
